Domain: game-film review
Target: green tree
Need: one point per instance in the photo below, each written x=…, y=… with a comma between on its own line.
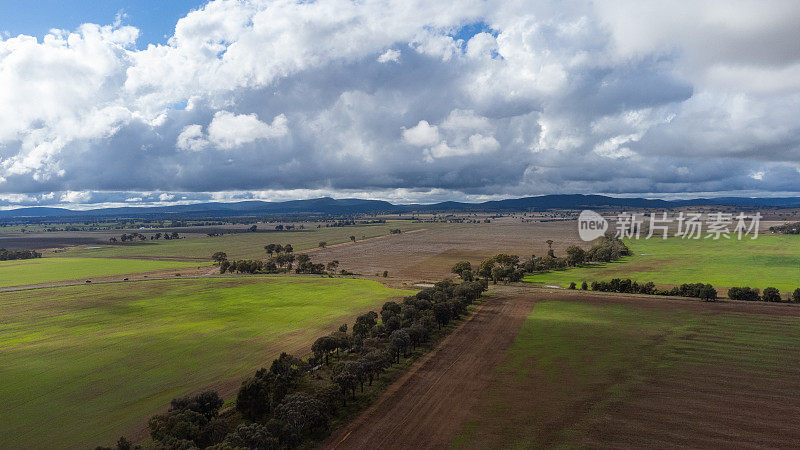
x=575, y=255
x=461, y=268
x=771, y=294
x=253, y=398
x=219, y=257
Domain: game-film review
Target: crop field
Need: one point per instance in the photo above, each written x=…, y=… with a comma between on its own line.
x=81, y=365
x=763, y=262
x=430, y=254
x=619, y=374
x=242, y=245
x=50, y=270
x=540, y=368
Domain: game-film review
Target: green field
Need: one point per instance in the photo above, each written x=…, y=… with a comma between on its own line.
x=763, y=262
x=82, y=364
x=573, y=363
x=244, y=245
x=48, y=270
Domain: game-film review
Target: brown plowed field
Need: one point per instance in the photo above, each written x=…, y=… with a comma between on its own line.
x=681, y=374
x=430, y=253
x=426, y=407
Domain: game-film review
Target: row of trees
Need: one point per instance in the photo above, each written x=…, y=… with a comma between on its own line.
x=7, y=255
x=134, y=236
x=280, y=263
x=787, y=228
x=504, y=267
x=696, y=290
x=770, y=294
x=294, y=399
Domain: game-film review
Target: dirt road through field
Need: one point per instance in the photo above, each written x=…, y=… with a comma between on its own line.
x=427, y=407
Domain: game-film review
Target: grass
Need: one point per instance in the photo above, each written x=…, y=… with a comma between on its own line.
x=242, y=245
x=82, y=364
x=763, y=262
x=47, y=270
x=573, y=362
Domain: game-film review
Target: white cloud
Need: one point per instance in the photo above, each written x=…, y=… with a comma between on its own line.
x=421, y=135
x=544, y=98
x=191, y=138
x=228, y=130
x=390, y=55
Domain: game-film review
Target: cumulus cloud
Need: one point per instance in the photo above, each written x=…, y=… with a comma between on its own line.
x=421, y=135
x=476, y=100
x=390, y=55
x=228, y=130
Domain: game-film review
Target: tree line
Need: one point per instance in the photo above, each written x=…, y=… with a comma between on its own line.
x=292, y=402
x=770, y=294
x=509, y=268
x=8, y=255
x=702, y=291
x=133, y=236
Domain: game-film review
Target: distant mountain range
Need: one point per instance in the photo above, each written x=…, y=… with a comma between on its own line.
x=350, y=206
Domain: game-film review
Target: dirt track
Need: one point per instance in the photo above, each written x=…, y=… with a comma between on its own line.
x=420, y=410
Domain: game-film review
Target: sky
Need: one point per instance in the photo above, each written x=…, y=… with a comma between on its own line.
x=145, y=102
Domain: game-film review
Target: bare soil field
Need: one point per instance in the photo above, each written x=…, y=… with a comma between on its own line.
x=426, y=407
x=430, y=253
x=598, y=371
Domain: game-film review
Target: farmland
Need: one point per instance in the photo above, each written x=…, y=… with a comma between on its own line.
x=763, y=262
x=242, y=245
x=83, y=364
x=55, y=269
x=573, y=369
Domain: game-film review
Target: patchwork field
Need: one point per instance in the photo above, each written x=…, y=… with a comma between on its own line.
x=763, y=262
x=50, y=270
x=242, y=245
x=430, y=254
x=536, y=368
x=605, y=372
x=82, y=364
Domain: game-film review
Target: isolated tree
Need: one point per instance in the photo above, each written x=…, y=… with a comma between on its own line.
x=796, y=296
x=584, y=286
x=219, y=257
x=352, y=238
x=322, y=244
